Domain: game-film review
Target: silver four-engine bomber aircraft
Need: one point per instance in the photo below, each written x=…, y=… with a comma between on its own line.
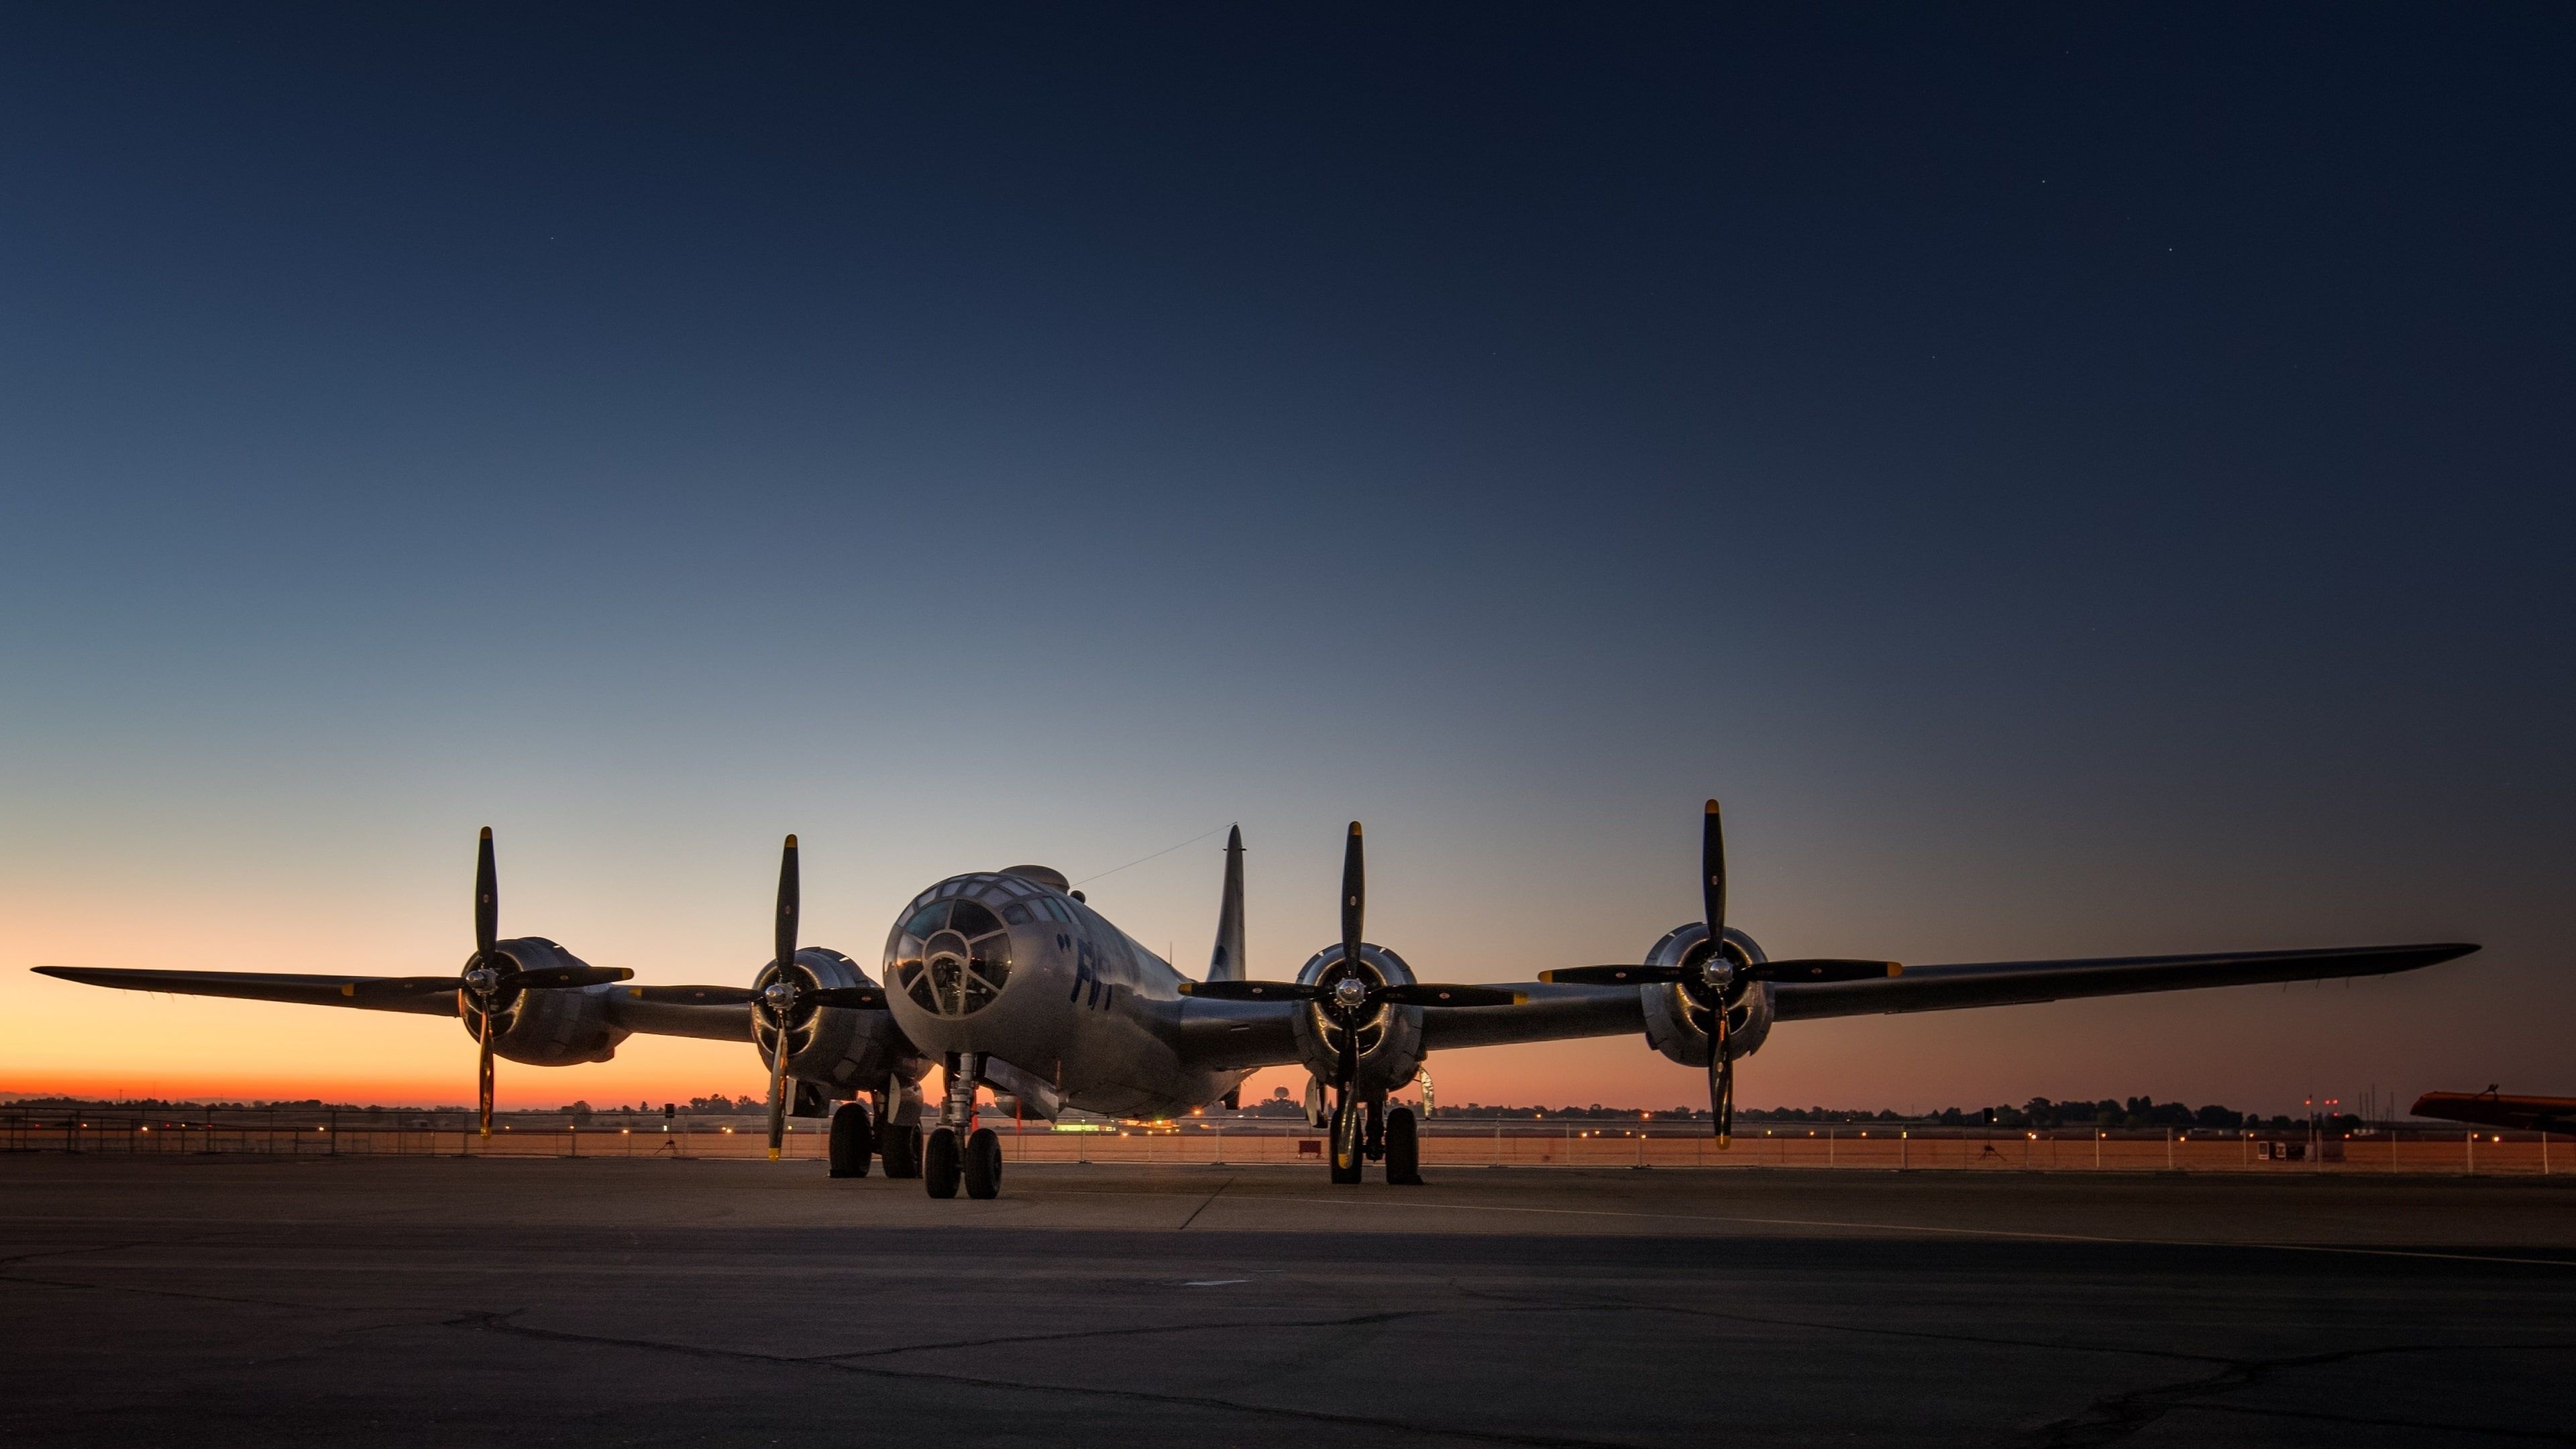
x=1008, y=979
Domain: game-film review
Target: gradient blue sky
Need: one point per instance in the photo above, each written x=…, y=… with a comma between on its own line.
x=2075, y=482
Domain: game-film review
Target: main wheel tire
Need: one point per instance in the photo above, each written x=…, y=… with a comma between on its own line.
x=1403, y=1149
x=1373, y=1135
x=1345, y=1145
x=983, y=1164
x=852, y=1141
x=901, y=1149
x=939, y=1162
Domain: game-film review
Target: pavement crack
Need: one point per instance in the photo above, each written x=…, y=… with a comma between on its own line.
x=2114, y=1417
x=1356, y=1321
x=502, y=1323
x=1865, y=1330
x=1203, y=1207
x=152, y=1292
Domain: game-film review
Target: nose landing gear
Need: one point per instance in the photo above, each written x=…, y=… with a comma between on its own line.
x=957, y=1150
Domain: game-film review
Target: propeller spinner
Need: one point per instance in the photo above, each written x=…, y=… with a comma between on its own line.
x=1345, y=993
x=492, y=979
x=1713, y=976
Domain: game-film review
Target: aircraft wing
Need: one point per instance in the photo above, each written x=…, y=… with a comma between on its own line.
x=303, y=990
x=2492, y=1109
x=625, y=1008
x=2014, y=983
x=1229, y=1035
x=1254, y=1034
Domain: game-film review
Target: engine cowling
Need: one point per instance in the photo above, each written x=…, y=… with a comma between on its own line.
x=545, y=1028
x=1390, y=1036
x=832, y=1045
x=1672, y=1007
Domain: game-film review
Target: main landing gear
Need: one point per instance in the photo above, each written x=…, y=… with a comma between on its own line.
x=856, y=1137
x=852, y=1141
x=1366, y=1131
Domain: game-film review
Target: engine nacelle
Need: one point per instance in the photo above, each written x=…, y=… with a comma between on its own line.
x=1674, y=1011
x=545, y=1028
x=1390, y=1036
x=834, y=1046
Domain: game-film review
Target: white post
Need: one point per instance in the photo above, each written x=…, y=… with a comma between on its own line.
x=1829, y=1147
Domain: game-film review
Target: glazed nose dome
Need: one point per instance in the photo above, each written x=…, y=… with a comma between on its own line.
x=954, y=957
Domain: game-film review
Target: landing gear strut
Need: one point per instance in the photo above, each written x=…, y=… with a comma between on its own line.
x=949, y=1153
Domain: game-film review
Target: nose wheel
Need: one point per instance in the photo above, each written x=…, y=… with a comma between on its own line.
x=983, y=1165
x=940, y=1162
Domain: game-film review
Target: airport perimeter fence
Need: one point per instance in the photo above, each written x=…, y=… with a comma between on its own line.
x=1445, y=1141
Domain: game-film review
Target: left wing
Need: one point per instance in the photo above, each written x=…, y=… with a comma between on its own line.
x=2015, y=983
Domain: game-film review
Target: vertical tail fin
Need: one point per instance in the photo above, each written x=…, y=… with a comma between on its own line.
x=1226, y=962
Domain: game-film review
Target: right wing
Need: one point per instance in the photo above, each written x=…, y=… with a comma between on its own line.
x=625, y=1005
x=259, y=986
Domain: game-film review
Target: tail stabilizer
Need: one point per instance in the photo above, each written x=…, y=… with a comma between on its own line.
x=1226, y=962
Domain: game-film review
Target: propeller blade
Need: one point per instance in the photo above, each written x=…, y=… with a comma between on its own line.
x=1721, y=1079
x=778, y=1092
x=1823, y=970
x=1354, y=897
x=692, y=995
x=1250, y=990
x=1611, y=975
x=1726, y=1104
x=483, y=1067
x=1427, y=994
x=1712, y=873
x=863, y=998
x=487, y=905
x=788, y=899
x=552, y=978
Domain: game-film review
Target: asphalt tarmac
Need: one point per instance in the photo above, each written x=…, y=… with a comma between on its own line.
x=409, y=1301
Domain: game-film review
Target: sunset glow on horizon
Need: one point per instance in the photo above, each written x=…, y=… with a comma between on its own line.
x=2087, y=524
